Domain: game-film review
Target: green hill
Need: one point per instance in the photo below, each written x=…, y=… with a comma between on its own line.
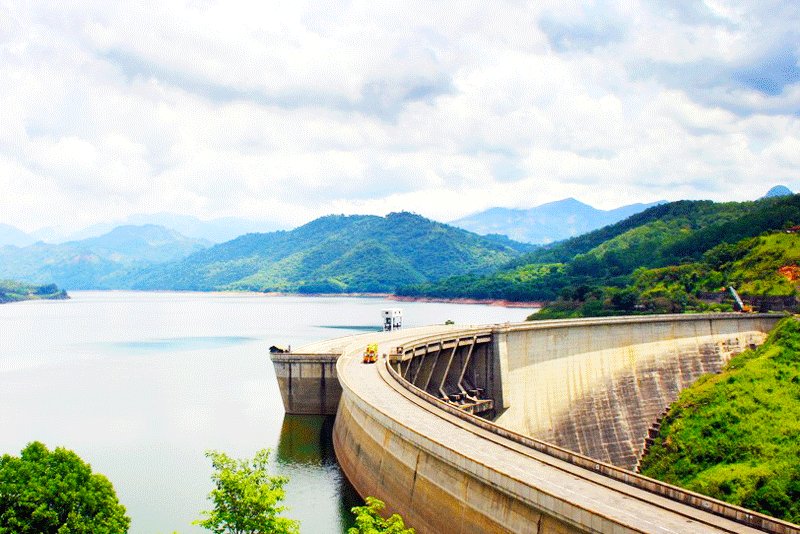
x=764, y=265
x=337, y=253
x=736, y=436
x=577, y=269
x=13, y=291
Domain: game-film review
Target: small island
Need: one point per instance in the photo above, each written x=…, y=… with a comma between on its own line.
x=13, y=291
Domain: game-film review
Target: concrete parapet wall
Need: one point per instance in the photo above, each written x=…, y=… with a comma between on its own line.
x=595, y=386
x=436, y=489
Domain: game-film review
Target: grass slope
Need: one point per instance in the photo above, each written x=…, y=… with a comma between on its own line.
x=769, y=266
x=736, y=436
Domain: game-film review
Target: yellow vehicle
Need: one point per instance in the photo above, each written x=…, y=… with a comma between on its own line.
x=371, y=353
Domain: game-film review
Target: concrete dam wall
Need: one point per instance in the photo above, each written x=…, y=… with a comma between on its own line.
x=595, y=387
x=405, y=428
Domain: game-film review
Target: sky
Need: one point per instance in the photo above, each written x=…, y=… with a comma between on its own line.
x=285, y=111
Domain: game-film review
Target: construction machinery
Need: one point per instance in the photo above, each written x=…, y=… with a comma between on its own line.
x=371, y=353
x=740, y=306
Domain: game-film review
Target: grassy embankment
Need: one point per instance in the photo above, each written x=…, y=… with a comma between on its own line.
x=12, y=291
x=735, y=436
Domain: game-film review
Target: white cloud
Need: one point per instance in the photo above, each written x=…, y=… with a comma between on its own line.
x=291, y=111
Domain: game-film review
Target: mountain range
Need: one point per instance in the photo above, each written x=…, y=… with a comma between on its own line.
x=366, y=253
x=10, y=235
x=211, y=230
x=337, y=253
x=547, y=223
x=102, y=262
x=332, y=254
x=542, y=224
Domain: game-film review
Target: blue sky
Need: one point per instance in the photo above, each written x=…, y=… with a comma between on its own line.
x=287, y=111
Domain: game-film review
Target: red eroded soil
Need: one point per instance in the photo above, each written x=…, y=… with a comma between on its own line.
x=791, y=272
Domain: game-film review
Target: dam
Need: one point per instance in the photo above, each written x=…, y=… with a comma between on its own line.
x=531, y=427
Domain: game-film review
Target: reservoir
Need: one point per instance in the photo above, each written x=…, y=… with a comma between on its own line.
x=140, y=385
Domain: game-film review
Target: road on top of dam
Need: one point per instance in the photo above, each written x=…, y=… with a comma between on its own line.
x=627, y=507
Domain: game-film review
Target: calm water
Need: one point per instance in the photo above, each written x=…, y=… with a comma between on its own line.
x=141, y=384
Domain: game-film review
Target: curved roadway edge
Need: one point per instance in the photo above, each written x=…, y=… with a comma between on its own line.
x=444, y=474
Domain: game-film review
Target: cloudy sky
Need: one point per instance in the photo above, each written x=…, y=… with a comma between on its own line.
x=290, y=110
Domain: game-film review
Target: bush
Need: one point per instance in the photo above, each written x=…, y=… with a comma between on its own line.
x=369, y=520
x=246, y=498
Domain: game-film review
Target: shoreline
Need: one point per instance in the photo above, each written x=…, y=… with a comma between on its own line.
x=387, y=296
x=486, y=302
x=401, y=298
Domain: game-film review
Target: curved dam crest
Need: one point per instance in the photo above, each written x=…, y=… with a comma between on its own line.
x=588, y=386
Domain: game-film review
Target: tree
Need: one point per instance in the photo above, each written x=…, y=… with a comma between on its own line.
x=624, y=299
x=56, y=492
x=246, y=497
x=370, y=521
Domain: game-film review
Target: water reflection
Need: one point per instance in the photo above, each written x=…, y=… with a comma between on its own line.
x=306, y=448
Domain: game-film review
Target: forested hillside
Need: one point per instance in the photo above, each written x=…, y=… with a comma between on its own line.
x=605, y=266
x=359, y=253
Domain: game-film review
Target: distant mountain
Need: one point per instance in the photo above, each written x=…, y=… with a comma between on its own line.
x=778, y=191
x=102, y=262
x=547, y=223
x=213, y=230
x=336, y=253
x=148, y=243
x=10, y=235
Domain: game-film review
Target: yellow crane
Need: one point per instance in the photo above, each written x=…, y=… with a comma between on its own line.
x=742, y=307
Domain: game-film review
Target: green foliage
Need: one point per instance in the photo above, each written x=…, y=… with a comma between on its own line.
x=757, y=271
x=736, y=436
x=44, y=492
x=327, y=286
x=535, y=282
x=761, y=265
x=13, y=291
x=369, y=520
x=246, y=498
